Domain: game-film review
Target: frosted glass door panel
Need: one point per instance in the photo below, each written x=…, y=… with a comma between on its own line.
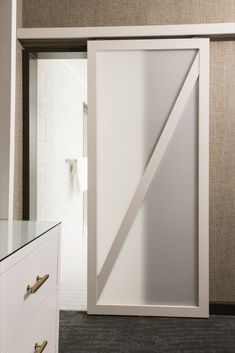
x=145, y=245
x=163, y=267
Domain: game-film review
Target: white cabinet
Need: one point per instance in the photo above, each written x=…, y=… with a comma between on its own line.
x=28, y=287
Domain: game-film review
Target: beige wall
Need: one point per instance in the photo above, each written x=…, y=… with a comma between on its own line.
x=222, y=171
x=18, y=126
x=54, y=13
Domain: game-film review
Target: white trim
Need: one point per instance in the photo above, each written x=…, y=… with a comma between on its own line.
x=149, y=173
x=210, y=29
x=91, y=190
x=203, y=177
x=146, y=44
x=148, y=310
x=202, y=310
x=7, y=105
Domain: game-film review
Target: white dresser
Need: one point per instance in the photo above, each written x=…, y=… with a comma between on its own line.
x=29, y=277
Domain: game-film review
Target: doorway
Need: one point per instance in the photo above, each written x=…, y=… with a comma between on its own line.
x=58, y=162
x=130, y=114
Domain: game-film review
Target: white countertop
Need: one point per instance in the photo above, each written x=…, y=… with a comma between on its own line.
x=16, y=234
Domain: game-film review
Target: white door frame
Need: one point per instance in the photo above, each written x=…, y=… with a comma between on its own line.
x=184, y=30
x=7, y=105
x=200, y=68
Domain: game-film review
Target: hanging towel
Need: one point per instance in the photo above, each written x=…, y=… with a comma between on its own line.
x=73, y=171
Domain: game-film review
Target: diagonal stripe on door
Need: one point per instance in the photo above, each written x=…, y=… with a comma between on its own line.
x=149, y=173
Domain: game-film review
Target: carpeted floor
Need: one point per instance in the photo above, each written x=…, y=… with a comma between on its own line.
x=80, y=333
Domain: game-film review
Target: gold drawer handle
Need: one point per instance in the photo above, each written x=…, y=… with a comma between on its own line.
x=39, y=282
x=39, y=348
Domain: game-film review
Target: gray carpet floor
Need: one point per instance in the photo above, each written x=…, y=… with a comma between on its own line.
x=80, y=333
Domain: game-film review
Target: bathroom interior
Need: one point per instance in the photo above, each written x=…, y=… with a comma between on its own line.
x=61, y=166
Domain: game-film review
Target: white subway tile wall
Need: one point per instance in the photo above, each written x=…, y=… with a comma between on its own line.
x=62, y=91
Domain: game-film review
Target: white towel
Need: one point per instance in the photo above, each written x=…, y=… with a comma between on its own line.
x=74, y=179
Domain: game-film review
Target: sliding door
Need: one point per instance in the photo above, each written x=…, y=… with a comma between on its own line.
x=148, y=177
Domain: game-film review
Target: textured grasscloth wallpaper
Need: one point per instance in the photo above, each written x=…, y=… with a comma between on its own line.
x=18, y=124
x=62, y=13
x=222, y=170
x=59, y=13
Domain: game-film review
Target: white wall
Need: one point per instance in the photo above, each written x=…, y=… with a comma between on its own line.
x=61, y=93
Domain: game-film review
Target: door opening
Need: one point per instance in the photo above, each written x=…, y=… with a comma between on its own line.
x=58, y=162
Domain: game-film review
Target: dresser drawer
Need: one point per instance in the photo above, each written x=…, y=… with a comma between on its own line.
x=40, y=329
x=17, y=304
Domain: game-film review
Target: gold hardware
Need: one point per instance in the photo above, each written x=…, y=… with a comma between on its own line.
x=39, y=348
x=39, y=282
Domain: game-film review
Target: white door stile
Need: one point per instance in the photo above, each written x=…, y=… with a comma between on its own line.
x=91, y=190
x=203, y=178
x=96, y=282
